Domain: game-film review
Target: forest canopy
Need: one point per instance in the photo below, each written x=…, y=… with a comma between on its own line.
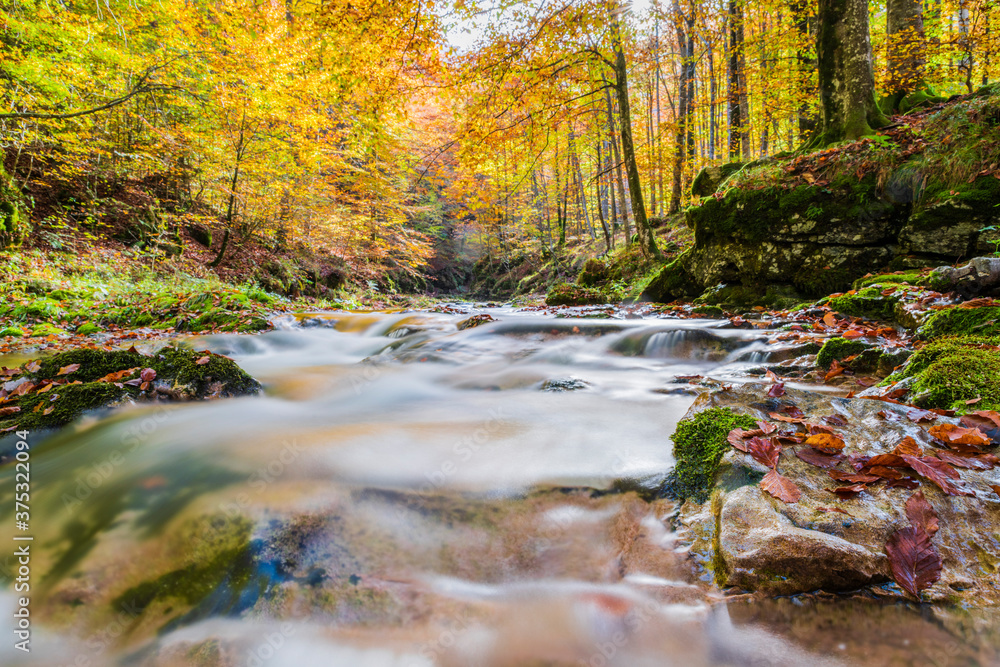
x=365, y=130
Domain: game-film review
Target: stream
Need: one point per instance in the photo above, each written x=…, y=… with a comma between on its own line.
x=409, y=494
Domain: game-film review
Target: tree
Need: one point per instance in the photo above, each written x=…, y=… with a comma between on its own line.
x=846, y=79
x=906, y=50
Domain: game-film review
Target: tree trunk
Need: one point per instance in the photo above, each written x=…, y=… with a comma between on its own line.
x=846, y=81
x=906, y=48
x=685, y=90
x=806, y=26
x=647, y=238
x=618, y=170
x=736, y=91
x=601, y=201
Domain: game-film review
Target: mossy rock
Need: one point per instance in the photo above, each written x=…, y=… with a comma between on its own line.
x=953, y=370
x=87, y=328
x=706, y=183
x=594, y=273
x=13, y=225
x=699, y=444
x=672, y=283
x=201, y=234
x=868, y=303
x=565, y=294
x=46, y=329
x=38, y=309
x=178, y=377
x=958, y=321
x=888, y=279
x=708, y=311
x=837, y=349
x=12, y=331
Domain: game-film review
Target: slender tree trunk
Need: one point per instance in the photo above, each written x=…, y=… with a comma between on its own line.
x=906, y=47
x=846, y=81
x=805, y=24
x=646, y=236
x=601, y=201
x=736, y=103
x=618, y=169
x=712, y=94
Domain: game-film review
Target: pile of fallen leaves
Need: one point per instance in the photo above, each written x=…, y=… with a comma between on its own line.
x=910, y=551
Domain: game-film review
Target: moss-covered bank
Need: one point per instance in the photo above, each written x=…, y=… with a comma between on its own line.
x=699, y=443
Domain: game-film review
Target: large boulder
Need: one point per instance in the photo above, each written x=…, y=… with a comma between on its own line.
x=756, y=542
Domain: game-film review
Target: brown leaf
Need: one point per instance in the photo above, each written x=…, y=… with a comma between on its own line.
x=972, y=461
x=902, y=483
x=836, y=420
x=48, y=411
x=118, y=375
x=780, y=487
x=818, y=459
x=952, y=434
x=765, y=450
x=917, y=415
x=996, y=488
x=782, y=418
x=853, y=478
x=203, y=360
x=835, y=370
x=767, y=427
x=135, y=382
x=9, y=411
x=776, y=390
x=33, y=366
x=907, y=447
x=825, y=442
x=66, y=370
x=887, y=460
x=976, y=419
x=847, y=492
x=921, y=514
x=890, y=415
x=915, y=562
x=147, y=375
x=829, y=319
x=938, y=472
x=813, y=429
x=737, y=437
x=884, y=472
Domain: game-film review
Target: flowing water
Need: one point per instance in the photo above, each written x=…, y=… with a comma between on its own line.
x=408, y=493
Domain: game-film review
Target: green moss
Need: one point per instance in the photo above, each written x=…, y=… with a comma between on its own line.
x=12, y=331
x=594, y=273
x=671, y=283
x=70, y=402
x=47, y=329
x=838, y=349
x=38, y=309
x=958, y=321
x=868, y=303
x=952, y=370
x=87, y=328
x=699, y=443
x=903, y=278
x=709, y=311
x=565, y=294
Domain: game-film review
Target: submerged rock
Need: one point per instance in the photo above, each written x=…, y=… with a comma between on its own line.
x=56, y=390
x=756, y=542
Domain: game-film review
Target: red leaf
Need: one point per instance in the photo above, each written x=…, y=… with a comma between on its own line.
x=780, y=487
x=952, y=434
x=903, y=483
x=921, y=514
x=915, y=563
x=883, y=472
x=887, y=460
x=737, y=438
x=853, y=478
x=846, y=492
x=818, y=459
x=938, y=472
x=66, y=370
x=907, y=447
x=829, y=319
x=776, y=390
x=835, y=370
x=818, y=428
x=836, y=420
x=971, y=461
x=147, y=375
x=825, y=442
x=764, y=450
x=767, y=427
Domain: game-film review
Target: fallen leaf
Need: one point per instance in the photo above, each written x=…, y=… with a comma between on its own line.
x=907, y=447
x=204, y=360
x=887, y=460
x=825, y=442
x=921, y=514
x=780, y=487
x=834, y=509
x=818, y=459
x=952, y=434
x=813, y=429
x=847, y=492
x=884, y=472
x=765, y=450
x=767, y=427
x=33, y=366
x=835, y=370
x=917, y=415
x=972, y=461
x=782, y=418
x=776, y=390
x=9, y=411
x=938, y=472
x=830, y=319
x=66, y=370
x=737, y=438
x=852, y=333
x=853, y=478
x=914, y=561
x=996, y=488
x=147, y=375
x=836, y=420
x=902, y=483
x=48, y=411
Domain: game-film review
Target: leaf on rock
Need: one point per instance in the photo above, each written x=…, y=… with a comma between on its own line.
x=66, y=370
x=917, y=415
x=884, y=472
x=777, y=389
x=737, y=437
x=147, y=375
x=767, y=427
x=971, y=461
x=907, y=447
x=834, y=509
x=780, y=487
x=952, y=434
x=915, y=562
x=902, y=483
x=818, y=459
x=996, y=488
x=830, y=319
x=890, y=415
x=835, y=370
x=985, y=421
x=853, y=477
x=887, y=460
x=938, y=472
x=921, y=514
x=203, y=360
x=765, y=450
x=847, y=492
x=784, y=418
x=836, y=420
x=826, y=442
x=818, y=428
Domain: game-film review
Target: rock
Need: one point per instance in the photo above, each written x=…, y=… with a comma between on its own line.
x=565, y=294
x=948, y=372
x=201, y=234
x=763, y=544
x=981, y=276
x=594, y=273
x=706, y=183
x=80, y=382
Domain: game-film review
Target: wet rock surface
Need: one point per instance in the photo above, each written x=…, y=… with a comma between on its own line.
x=756, y=542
